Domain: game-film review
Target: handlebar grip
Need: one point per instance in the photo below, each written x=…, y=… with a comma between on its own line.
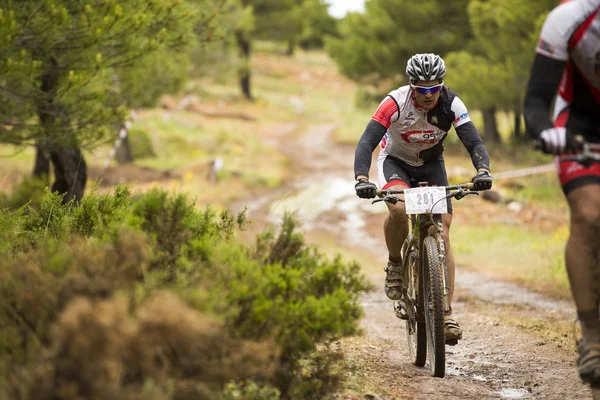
x=470, y=185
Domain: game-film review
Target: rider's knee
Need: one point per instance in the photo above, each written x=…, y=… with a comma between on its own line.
x=398, y=213
x=586, y=219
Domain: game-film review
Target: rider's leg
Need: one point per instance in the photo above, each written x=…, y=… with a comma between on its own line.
x=395, y=229
x=392, y=175
x=447, y=221
x=581, y=186
x=582, y=257
x=451, y=328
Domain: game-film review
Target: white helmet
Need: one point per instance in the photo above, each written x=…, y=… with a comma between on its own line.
x=425, y=67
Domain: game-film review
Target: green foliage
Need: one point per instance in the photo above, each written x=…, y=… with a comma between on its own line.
x=162, y=72
x=141, y=144
x=273, y=19
x=58, y=94
x=249, y=391
x=498, y=57
x=283, y=287
x=29, y=191
x=316, y=23
x=110, y=284
x=95, y=214
x=377, y=43
x=34, y=224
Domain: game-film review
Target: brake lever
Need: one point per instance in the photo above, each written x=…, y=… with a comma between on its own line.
x=462, y=193
x=389, y=199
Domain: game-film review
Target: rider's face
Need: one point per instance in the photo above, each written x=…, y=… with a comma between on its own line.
x=428, y=99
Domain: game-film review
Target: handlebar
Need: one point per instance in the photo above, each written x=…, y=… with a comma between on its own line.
x=461, y=186
x=587, y=155
x=455, y=191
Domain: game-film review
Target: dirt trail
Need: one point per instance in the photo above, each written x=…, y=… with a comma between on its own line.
x=493, y=361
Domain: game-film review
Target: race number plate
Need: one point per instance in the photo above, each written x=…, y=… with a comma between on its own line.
x=421, y=200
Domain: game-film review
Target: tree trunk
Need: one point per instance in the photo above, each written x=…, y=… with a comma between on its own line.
x=518, y=135
x=70, y=170
x=124, y=154
x=291, y=46
x=41, y=168
x=490, y=128
x=69, y=165
x=244, y=71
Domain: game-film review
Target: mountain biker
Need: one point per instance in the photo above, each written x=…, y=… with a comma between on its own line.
x=567, y=60
x=410, y=125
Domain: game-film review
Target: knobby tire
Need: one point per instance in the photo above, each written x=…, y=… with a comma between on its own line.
x=433, y=291
x=416, y=331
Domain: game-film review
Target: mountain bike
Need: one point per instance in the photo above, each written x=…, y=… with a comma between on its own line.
x=425, y=283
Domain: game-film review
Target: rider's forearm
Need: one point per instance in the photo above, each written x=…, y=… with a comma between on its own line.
x=369, y=140
x=545, y=77
x=468, y=135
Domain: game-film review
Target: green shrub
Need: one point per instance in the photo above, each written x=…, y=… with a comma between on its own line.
x=91, y=286
x=249, y=391
x=164, y=349
x=95, y=214
x=29, y=191
x=296, y=296
x=141, y=144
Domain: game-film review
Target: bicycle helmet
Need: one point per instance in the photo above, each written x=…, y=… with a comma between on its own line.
x=425, y=67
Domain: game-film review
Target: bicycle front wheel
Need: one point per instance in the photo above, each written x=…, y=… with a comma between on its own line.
x=433, y=295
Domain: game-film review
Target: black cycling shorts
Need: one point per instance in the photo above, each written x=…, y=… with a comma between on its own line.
x=393, y=171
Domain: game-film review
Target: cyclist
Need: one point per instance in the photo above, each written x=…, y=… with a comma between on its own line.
x=567, y=60
x=410, y=125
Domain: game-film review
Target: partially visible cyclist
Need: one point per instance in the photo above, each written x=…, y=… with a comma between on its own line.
x=567, y=61
x=410, y=126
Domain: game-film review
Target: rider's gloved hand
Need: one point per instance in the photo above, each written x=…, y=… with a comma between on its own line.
x=558, y=141
x=482, y=181
x=365, y=189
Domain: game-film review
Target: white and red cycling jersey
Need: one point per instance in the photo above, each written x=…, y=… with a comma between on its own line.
x=414, y=134
x=571, y=33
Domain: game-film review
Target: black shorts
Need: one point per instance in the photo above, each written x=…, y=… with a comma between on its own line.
x=393, y=171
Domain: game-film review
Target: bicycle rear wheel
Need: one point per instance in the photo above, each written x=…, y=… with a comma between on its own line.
x=416, y=332
x=433, y=295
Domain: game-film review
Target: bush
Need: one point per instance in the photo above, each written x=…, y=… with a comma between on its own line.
x=95, y=215
x=29, y=191
x=167, y=303
x=164, y=350
x=141, y=144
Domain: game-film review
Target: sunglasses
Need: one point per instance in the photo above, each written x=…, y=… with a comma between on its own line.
x=427, y=89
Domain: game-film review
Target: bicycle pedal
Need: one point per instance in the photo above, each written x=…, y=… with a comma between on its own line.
x=452, y=342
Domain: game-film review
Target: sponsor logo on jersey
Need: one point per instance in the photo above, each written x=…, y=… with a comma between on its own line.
x=461, y=117
x=434, y=120
x=384, y=141
x=545, y=47
x=422, y=136
x=409, y=119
